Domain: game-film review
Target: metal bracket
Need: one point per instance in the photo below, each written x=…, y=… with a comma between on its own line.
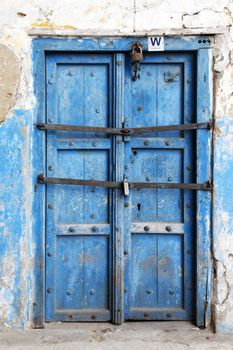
x=125, y=185
x=125, y=131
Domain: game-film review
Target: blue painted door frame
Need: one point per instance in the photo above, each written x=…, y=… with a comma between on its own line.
x=201, y=49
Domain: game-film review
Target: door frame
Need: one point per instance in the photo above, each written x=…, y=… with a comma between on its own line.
x=201, y=47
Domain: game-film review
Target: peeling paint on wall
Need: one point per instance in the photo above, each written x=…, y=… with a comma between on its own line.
x=9, y=80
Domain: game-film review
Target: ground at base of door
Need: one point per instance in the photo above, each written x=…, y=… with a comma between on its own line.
x=101, y=336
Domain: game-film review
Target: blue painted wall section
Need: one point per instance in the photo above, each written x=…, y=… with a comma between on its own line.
x=223, y=225
x=14, y=218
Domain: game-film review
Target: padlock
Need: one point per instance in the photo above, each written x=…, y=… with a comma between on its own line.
x=137, y=54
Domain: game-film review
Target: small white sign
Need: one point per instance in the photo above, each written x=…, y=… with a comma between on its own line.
x=155, y=43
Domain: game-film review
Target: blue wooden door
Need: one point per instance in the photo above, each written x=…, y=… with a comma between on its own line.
x=110, y=256
x=159, y=223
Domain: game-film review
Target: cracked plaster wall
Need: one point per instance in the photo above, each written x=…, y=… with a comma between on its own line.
x=17, y=101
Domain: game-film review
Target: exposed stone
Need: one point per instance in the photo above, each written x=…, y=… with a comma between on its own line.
x=9, y=78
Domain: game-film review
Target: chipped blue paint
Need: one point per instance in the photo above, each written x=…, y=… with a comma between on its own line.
x=14, y=217
x=223, y=222
x=40, y=46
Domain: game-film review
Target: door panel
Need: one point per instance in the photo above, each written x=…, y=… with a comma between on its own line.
x=159, y=223
x=79, y=219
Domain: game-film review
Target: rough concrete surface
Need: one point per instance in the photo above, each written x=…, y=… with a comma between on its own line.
x=133, y=336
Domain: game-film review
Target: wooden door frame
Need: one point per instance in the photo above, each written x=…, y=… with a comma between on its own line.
x=201, y=47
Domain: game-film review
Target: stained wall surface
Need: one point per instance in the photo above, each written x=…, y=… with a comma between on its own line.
x=18, y=21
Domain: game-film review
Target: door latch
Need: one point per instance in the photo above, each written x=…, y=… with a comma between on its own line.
x=125, y=186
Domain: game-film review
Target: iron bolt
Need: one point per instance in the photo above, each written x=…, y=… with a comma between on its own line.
x=51, y=168
x=49, y=254
x=94, y=144
x=171, y=292
x=68, y=292
x=126, y=204
x=125, y=252
x=125, y=290
x=146, y=143
x=168, y=315
x=94, y=228
x=139, y=108
x=49, y=290
x=149, y=291
x=92, y=74
x=71, y=143
x=93, y=190
x=146, y=314
x=97, y=110
x=147, y=228
x=148, y=178
x=169, y=178
x=167, y=143
x=71, y=229
x=93, y=216
x=92, y=292
x=93, y=317
x=168, y=228
x=50, y=206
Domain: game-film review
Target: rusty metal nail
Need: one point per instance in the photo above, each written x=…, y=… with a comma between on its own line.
x=168, y=228
x=146, y=143
x=147, y=228
x=68, y=292
x=126, y=204
x=49, y=254
x=168, y=315
x=93, y=317
x=139, y=108
x=149, y=291
x=167, y=143
x=92, y=292
x=49, y=290
x=50, y=206
x=171, y=292
x=146, y=314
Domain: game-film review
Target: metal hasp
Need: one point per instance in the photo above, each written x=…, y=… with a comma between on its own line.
x=125, y=131
x=121, y=184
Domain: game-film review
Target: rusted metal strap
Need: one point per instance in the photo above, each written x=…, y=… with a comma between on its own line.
x=125, y=131
x=114, y=184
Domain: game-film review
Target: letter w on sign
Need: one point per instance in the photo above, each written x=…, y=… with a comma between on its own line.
x=155, y=43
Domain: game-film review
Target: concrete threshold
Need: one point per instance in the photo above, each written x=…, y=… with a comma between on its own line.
x=101, y=336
